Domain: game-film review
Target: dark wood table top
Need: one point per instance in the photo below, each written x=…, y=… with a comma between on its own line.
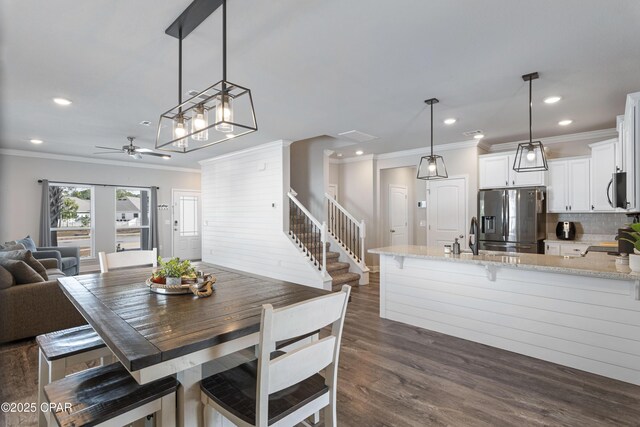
x=144, y=328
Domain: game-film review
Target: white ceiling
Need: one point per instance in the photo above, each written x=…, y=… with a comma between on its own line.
x=317, y=67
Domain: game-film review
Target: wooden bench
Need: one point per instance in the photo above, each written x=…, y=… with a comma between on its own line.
x=109, y=396
x=62, y=349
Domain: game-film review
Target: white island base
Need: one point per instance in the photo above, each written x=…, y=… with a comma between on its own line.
x=588, y=320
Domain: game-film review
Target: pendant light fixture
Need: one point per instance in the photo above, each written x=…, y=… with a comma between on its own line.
x=432, y=166
x=530, y=155
x=219, y=113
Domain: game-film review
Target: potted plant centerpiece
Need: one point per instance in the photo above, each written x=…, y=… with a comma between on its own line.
x=634, y=238
x=174, y=272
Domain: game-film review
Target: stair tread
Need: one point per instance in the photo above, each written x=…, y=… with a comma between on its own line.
x=343, y=278
x=336, y=265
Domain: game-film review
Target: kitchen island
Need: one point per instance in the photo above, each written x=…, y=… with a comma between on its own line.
x=579, y=312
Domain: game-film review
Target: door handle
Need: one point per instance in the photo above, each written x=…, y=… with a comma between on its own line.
x=609, y=188
x=393, y=231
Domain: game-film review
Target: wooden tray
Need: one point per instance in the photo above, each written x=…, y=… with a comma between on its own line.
x=184, y=288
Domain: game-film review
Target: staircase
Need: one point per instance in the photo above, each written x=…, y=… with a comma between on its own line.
x=309, y=234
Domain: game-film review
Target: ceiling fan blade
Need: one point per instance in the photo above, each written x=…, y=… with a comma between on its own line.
x=109, y=152
x=136, y=156
x=157, y=154
x=144, y=150
x=109, y=148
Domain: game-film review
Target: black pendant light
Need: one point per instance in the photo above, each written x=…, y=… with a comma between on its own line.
x=530, y=155
x=219, y=113
x=432, y=166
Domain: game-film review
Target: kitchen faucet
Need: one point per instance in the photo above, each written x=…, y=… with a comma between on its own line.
x=473, y=236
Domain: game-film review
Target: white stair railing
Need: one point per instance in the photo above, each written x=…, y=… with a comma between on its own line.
x=347, y=230
x=308, y=233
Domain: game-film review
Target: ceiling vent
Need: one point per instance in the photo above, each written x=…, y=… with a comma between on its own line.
x=357, y=136
x=472, y=133
x=195, y=92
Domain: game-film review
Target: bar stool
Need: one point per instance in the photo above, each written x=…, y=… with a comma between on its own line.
x=62, y=349
x=109, y=396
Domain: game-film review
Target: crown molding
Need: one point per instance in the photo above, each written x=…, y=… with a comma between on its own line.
x=278, y=143
x=65, y=157
x=363, y=158
x=424, y=150
x=596, y=134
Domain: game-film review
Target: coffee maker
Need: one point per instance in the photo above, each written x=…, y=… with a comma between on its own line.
x=566, y=230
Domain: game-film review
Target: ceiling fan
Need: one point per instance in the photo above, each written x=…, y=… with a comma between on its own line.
x=132, y=150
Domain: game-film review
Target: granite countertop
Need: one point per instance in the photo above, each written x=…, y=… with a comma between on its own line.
x=593, y=265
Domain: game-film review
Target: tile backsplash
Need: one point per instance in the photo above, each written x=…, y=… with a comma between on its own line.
x=589, y=223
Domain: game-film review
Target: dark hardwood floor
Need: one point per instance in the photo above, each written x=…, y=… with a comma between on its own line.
x=393, y=374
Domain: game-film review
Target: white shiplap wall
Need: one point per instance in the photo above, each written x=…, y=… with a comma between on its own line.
x=587, y=323
x=244, y=218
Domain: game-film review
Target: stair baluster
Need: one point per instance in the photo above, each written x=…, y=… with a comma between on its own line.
x=348, y=231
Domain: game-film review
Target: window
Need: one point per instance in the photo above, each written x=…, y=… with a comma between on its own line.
x=71, y=209
x=133, y=215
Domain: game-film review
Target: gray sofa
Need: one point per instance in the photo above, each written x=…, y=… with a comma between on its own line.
x=32, y=309
x=68, y=258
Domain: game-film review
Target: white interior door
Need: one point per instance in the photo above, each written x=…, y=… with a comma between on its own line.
x=186, y=224
x=332, y=190
x=447, y=212
x=398, y=215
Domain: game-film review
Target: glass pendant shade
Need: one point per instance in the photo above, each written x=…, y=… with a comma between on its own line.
x=199, y=124
x=179, y=131
x=530, y=157
x=432, y=167
x=224, y=113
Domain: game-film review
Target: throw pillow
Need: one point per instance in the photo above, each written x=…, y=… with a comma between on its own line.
x=20, y=271
x=11, y=246
x=28, y=243
x=27, y=257
x=6, y=279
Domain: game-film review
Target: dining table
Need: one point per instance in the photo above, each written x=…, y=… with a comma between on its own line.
x=155, y=335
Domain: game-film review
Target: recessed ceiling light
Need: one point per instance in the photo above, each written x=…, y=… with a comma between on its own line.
x=478, y=136
x=359, y=152
x=36, y=141
x=552, y=99
x=166, y=157
x=145, y=123
x=62, y=101
x=339, y=154
x=449, y=121
x=565, y=122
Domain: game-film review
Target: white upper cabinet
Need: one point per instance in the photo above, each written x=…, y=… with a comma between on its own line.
x=557, y=187
x=496, y=170
x=568, y=185
x=603, y=166
x=524, y=179
x=578, y=177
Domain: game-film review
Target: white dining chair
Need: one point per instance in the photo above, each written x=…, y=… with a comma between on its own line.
x=127, y=259
x=283, y=389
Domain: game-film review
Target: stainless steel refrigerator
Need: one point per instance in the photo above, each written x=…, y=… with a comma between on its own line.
x=512, y=219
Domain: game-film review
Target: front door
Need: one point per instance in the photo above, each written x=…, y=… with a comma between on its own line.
x=186, y=224
x=447, y=212
x=398, y=215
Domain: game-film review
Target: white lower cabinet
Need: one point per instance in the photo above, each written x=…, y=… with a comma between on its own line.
x=568, y=185
x=567, y=248
x=552, y=248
